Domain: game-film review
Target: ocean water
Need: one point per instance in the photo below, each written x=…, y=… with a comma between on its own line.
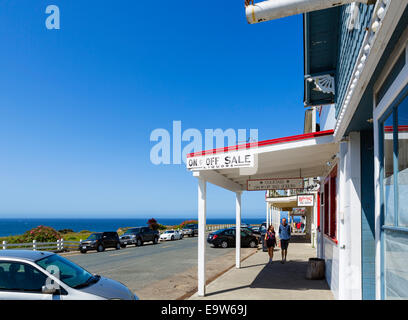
x=19, y=226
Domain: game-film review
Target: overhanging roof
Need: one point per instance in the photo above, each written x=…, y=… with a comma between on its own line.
x=300, y=156
x=320, y=38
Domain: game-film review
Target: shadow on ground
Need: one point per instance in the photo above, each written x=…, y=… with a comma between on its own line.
x=288, y=276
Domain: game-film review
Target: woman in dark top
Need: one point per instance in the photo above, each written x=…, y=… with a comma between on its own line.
x=270, y=239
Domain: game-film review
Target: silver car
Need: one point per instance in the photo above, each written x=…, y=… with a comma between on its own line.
x=38, y=275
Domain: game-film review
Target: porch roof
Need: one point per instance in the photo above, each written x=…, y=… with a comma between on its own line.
x=300, y=156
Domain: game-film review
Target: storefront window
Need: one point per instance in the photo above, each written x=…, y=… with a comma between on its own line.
x=388, y=183
x=403, y=164
x=395, y=188
x=396, y=271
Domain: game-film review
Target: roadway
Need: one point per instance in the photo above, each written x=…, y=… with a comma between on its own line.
x=137, y=267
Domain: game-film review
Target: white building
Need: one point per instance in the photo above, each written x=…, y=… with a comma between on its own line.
x=356, y=74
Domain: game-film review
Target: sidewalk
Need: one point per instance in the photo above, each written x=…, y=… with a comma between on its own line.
x=258, y=281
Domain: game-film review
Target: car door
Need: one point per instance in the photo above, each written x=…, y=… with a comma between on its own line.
x=112, y=239
x=245, y=238
x=145, y=234
x=22, y=281
x=230, y=237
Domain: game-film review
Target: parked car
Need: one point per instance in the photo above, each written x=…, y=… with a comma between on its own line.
x=190, y=230
x=226, y=238
x=255, y=229
x=171, y=235
x=99, y=241
x=138, y=236
x=38, y=275
x=250, y=231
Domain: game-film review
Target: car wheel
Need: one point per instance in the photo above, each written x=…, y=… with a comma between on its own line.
x=156, y=240
x=83, y=251
x=224, y=244
x=118, y=246
x=100, y=248
x=123, y=246
x=252, y=244
x=172, y=238
x=139, y=243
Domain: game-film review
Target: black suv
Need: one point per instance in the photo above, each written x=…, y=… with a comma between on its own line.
x=190, y=229
x=226, y=238
x=138, y=236
x=99, y=241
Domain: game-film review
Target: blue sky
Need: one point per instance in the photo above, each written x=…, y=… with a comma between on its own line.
x=77, y=105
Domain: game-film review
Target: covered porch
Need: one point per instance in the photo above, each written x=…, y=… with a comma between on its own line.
x=283, y=162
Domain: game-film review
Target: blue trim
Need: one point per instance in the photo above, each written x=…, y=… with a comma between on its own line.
x=395, y=163
x=382, y=214
x=392, y=108
x=367, y=215
x=396, y=229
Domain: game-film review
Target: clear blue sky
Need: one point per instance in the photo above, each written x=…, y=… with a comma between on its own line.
x=77, y=105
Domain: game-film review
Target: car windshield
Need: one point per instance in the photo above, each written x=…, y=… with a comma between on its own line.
x=95, y=236
x=131, y=231
x=169, y=232
x=219, y=231
x=69, y=273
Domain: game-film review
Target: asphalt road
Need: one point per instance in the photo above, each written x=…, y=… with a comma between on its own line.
x=136, y=267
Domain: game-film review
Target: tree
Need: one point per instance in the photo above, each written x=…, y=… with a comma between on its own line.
x=152, y=223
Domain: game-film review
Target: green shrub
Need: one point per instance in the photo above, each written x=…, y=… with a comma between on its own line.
x=65, y=231
x=40, y=234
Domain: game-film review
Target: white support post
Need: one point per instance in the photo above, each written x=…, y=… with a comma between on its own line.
x=202, y=186
x=34, y=245
x=4, y=245
x=238, y=230
x=62, y=244
x=267, y=215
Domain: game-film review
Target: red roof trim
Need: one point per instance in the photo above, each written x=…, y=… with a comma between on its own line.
x=262, y=143
x=391, y=128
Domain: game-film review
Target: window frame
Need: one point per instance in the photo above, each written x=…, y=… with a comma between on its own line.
x=330, y=222
x=382, y=109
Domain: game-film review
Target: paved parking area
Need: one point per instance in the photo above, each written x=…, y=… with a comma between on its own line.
x=138, y=267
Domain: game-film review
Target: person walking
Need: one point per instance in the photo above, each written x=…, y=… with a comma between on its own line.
x=270, y=239
x=284, y=236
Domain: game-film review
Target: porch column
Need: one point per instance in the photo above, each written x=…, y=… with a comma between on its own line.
x=202, y=190
x=238, y=230
x=266, y=214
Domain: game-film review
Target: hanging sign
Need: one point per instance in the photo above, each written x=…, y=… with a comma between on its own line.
x=305, y=200
x=222, y=161
x=274, y=184
x=298, y=211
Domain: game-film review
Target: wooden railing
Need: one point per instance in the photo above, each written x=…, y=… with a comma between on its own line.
x=58, y=246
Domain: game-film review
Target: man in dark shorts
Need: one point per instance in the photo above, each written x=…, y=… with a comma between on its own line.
x=284, y=236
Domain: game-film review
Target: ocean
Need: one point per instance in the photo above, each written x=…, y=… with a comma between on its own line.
x=19, y=226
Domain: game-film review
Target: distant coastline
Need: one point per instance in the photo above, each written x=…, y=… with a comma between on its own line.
x=17, y=226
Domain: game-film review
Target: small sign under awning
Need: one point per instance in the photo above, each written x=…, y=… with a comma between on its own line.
x=275, y=184
x=305, y=200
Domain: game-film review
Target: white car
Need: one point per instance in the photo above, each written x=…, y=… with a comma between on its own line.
x=38, y=275
x=171, y=235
